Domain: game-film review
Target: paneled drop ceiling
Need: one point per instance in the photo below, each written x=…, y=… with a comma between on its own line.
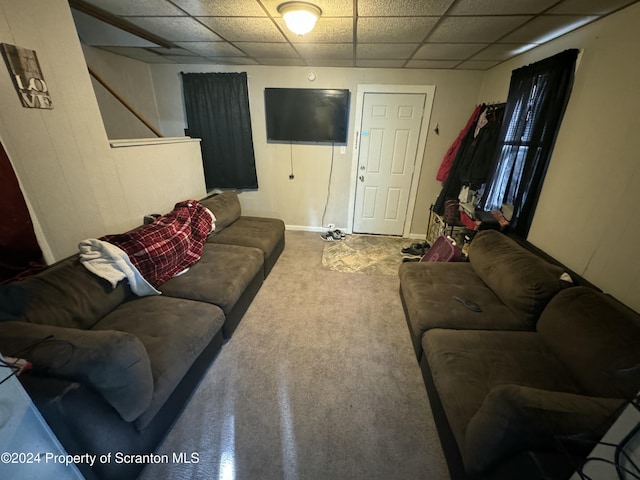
x=441, y=34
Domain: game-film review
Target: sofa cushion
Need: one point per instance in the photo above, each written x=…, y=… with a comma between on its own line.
x=257, y=232
x=522, y=280
x=597, y=338
x=65, y=294
x=221, y=275
x=173, y=331
x=466, y=365
x=114, y=363
x=427, y=290
x=429, y=287
x=514, y=418
x=225, y=206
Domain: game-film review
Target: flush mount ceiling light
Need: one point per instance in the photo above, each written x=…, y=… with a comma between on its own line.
x=300, y=17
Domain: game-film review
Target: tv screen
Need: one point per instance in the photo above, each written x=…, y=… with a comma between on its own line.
x=306, y=114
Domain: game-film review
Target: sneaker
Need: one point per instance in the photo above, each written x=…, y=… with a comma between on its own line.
x=410, y=259
x=416, y=248
x=330, y=237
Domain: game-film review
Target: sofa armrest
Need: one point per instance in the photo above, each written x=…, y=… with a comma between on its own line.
x=514, y=418
x=115, y=364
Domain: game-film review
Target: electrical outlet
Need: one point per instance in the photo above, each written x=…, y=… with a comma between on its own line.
x=343, y=150
x=331, y=226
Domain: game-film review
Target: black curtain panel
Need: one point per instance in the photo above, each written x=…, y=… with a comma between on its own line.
x=537, y=100
x=217, y=108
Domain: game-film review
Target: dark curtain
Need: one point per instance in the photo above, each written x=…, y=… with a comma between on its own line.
x=537, y=100
x=217, y=108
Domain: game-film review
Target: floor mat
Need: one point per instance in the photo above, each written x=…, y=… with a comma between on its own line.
x=367, y=254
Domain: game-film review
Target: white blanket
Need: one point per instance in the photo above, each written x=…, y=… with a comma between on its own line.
x=112, y=263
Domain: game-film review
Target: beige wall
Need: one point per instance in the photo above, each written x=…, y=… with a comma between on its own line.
x=75, y=184
x=586, y=215
x=130, y=79
x=301, y=202
x=78, y=186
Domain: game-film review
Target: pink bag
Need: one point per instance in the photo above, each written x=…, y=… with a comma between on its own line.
x=442, y=250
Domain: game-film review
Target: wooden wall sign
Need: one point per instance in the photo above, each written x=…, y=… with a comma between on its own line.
x=27, y=77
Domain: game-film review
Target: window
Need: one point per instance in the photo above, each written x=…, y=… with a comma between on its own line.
x=538, y=96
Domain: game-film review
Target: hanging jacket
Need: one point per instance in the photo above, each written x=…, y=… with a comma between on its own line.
x=473, y=161
x=449, y=157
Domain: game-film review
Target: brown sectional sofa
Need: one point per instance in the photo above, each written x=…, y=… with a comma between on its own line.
x=113, y=371
x=546, y=361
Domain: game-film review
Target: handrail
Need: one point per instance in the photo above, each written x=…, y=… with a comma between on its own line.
x=123, y=101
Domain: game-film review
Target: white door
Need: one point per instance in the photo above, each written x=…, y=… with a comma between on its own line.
x=389, y=134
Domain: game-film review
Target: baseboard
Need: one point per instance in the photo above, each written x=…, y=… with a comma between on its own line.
x=417, y=236
x=311, y=229
x=304, y=228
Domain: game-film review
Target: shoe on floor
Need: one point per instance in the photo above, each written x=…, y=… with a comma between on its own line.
x=331, y=236
x=414, y=251
x=416, y=248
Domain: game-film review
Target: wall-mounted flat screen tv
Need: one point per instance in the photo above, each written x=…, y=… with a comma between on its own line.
x=306, y=114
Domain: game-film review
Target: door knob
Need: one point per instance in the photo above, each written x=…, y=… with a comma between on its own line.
x=361, y=177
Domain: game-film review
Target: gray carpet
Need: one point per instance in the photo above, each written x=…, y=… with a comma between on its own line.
x=318, y=382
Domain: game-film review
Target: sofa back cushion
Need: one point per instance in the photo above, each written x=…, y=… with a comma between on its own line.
x=523, y=281
x=113, y=363
x=225, y=206
x=66, y=294
x=597, y=338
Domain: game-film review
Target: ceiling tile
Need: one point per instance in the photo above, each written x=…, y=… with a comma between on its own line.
x=222, y=8
x=342, y=50
x=184, y=59
x=233, y=61
x=477, y=65
x=451, y=51
x=267, y=50
x=327, y=30
x=388, y=50
x=452, y=34
x=333, y=62
x=172, y=51
x=590, y=7
x=141, y=54
x=394, y=29
x=380, y=63
x=402, y=8
x=502, y=51
x=475, y=29
x=175, y=29
x=244, y=29
x=500, y=7
x=211, y=49
x=154, y=8
x=330, y=8
x=282, y=62
x=545, y=28
x=437, y=64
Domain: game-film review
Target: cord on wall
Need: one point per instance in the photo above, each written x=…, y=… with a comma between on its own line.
x=291, y=175
x=326, y=203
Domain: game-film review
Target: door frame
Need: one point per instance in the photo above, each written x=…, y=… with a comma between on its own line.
x=429, y=91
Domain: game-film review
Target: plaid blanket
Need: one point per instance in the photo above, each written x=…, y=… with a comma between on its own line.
x=169, y=245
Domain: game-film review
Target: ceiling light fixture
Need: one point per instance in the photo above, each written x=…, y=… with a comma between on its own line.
x=300, y=17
